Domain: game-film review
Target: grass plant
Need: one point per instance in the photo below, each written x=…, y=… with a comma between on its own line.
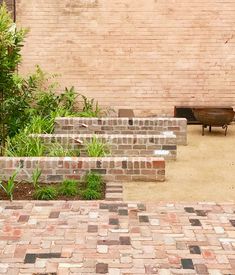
x=96, y=148
x=45, y=193
x=68, y=188
x=94, y=185
x=58, y=150
x=35, y=177
x=9, y=186
x=22, y=145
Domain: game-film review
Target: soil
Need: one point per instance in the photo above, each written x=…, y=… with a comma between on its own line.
x=25, y=190
x=204, y=171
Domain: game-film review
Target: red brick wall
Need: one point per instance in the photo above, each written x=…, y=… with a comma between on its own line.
x=146, y=55
x=61, y=168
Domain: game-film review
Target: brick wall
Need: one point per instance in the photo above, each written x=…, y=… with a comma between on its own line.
x=145, y=55
x=58, y=169
x=119, y=145
x=125, y=126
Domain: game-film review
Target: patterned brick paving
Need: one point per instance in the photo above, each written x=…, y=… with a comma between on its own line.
x=116, y=238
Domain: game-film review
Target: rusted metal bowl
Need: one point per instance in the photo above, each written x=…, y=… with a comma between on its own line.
x=214, y=117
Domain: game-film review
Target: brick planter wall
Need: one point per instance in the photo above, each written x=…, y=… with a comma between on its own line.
x=58, y=169
x=120, y=145
x=142, y=126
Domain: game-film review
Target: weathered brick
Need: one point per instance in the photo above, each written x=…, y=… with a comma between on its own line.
x=116, y=173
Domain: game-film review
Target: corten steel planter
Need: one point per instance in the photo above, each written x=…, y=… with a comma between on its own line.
x=214, y=117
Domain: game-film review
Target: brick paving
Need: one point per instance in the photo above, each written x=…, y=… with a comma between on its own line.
x=116, y=238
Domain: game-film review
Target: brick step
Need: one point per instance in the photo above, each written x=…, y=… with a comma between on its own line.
x=163, y=145
x=116, y=125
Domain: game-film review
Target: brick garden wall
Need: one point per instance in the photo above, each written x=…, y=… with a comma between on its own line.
x=60, y=168
x=146, y=55
x=119, y=145
x=125, y=126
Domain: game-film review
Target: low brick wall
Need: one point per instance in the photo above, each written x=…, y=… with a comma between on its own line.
x=56, y=169
x=125, y=126
x=120, y=145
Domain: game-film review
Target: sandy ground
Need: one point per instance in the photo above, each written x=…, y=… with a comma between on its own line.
x=204, y=171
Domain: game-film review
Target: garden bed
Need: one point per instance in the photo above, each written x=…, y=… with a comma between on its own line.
x=25, y=191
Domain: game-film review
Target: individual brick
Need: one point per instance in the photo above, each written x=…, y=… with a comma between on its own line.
x=54, y=215
x=187, y=263
x=144, y=219
x=92, y=228
x=195, y=222
x=194, y=249
x=113, y=221
x=189, y=209
x=102, y=268
x=125, y=241
x=23, y=218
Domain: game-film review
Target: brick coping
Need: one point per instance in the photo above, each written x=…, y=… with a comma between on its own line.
x=85, y=158
x=122, y=118
x=166, y=134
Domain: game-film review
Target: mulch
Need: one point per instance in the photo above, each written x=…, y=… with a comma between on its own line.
x=25, y=191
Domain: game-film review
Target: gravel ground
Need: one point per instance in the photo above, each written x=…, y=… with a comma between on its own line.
x=204, y=171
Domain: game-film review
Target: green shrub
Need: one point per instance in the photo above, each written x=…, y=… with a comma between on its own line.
x=57, y=150
x=22, y=145
x=93, y=186
x=9, y=186
x=35, y=177
x=46, y=99
x=68, y=99
x=94, y=181
x=96, y=148
x=45, y=193
x=11, y=42
x=68, y=188
x=31, y=101
x=90, y=108
x=40, y=125
x=90, y=194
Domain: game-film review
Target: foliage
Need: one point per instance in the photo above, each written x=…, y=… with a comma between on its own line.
x=90, y=194
x=35, y=177
x=94, y=181
x=57, y=150
x=45, y=193
x=97, y=148
x=9, y=186
x=23, y=145
x=68, y=188
x=40, y=125
x=68, y=99
x=31, y=104
x=90, y=108
x=46, y=100
x=94, y=184
x=11, y=42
